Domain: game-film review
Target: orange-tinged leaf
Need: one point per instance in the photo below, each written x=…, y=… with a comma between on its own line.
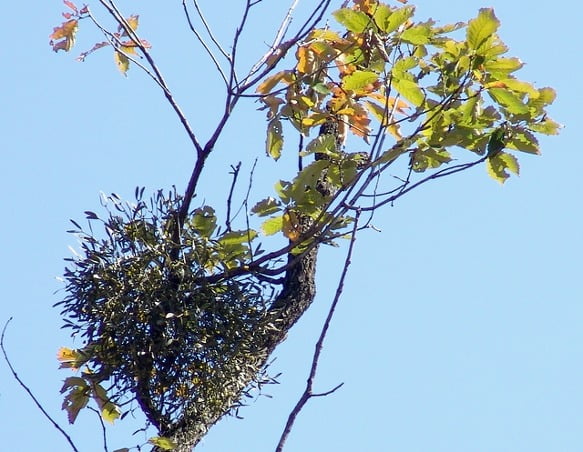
x=69, y=358
x=306, y=60
x=269, y=83
x=66, y=33
x=290, y=225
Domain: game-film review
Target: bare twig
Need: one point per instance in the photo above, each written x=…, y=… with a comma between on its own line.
x=235, y=174
x=308, y=392
x=204, y=44
x=209, y=31
x=103, y=430
x=115, y=13
x=280, y=34
x=29, y=392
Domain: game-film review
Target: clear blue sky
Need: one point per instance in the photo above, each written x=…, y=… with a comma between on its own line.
x=460, y=327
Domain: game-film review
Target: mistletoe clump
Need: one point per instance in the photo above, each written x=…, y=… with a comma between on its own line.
x=153, y=321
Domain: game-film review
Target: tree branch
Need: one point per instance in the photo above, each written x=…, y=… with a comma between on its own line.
x=29, y=392
x=308, y=393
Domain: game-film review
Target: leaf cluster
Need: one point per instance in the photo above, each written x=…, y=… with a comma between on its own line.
x=151, y=323
x=416, y=81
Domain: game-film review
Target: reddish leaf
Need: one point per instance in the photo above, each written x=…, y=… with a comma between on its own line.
x=66, y=33
x=97, y=46
x=70, y=5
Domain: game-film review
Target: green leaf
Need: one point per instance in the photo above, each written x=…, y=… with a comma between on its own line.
x=410, y=91
x=232, y=238
x=418, y=35
x=546, y=126
x=355, y=21
x=544, y=97
x=272, y=225
x=204, y=221
x=503, y=65
x=389, y=23
x=520, y=86
x=429, y=158
x=322, y=144
x=110, y=412
x=358, y=80
x=497, y=141
x=274, y=142
x=77, y=397
x=392, y=154
x=282, y=188
x=508, y=100
x=499, y=165
x=163, y=443
x=267, y=206
x=523, y=140
x=481, y=28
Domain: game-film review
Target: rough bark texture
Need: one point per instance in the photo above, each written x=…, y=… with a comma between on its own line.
x=298, y=292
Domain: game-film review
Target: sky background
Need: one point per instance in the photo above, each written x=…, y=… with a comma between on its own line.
x=460, y=325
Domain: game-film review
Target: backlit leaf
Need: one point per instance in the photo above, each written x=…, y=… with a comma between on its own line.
x=547, y=126
x=481, y=28
x=272, y=225
x=66, y=33
x=355, y=21
x=77, y=397
x=290, y=225
x=418, y=34
x=122, y=62
x=429, y=158
x=274, y=142
x=523, y=140
x=204, y=221
x=163, y=443
x=237, y=237
x=499, y=165
x=358, y=80
x=508, y=100
x=396, y=19
x=503, y=65
x=410, y=91
x=268, y=206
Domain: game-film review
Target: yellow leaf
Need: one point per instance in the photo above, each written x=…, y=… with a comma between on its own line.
x=162, y=443
x=69, y=358
x=122, y=62
x=110, y=412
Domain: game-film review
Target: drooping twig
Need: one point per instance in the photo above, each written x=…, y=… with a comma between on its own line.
x=308, y=392
x=29, y=392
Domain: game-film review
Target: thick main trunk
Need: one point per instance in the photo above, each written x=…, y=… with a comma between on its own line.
x=297, y=294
